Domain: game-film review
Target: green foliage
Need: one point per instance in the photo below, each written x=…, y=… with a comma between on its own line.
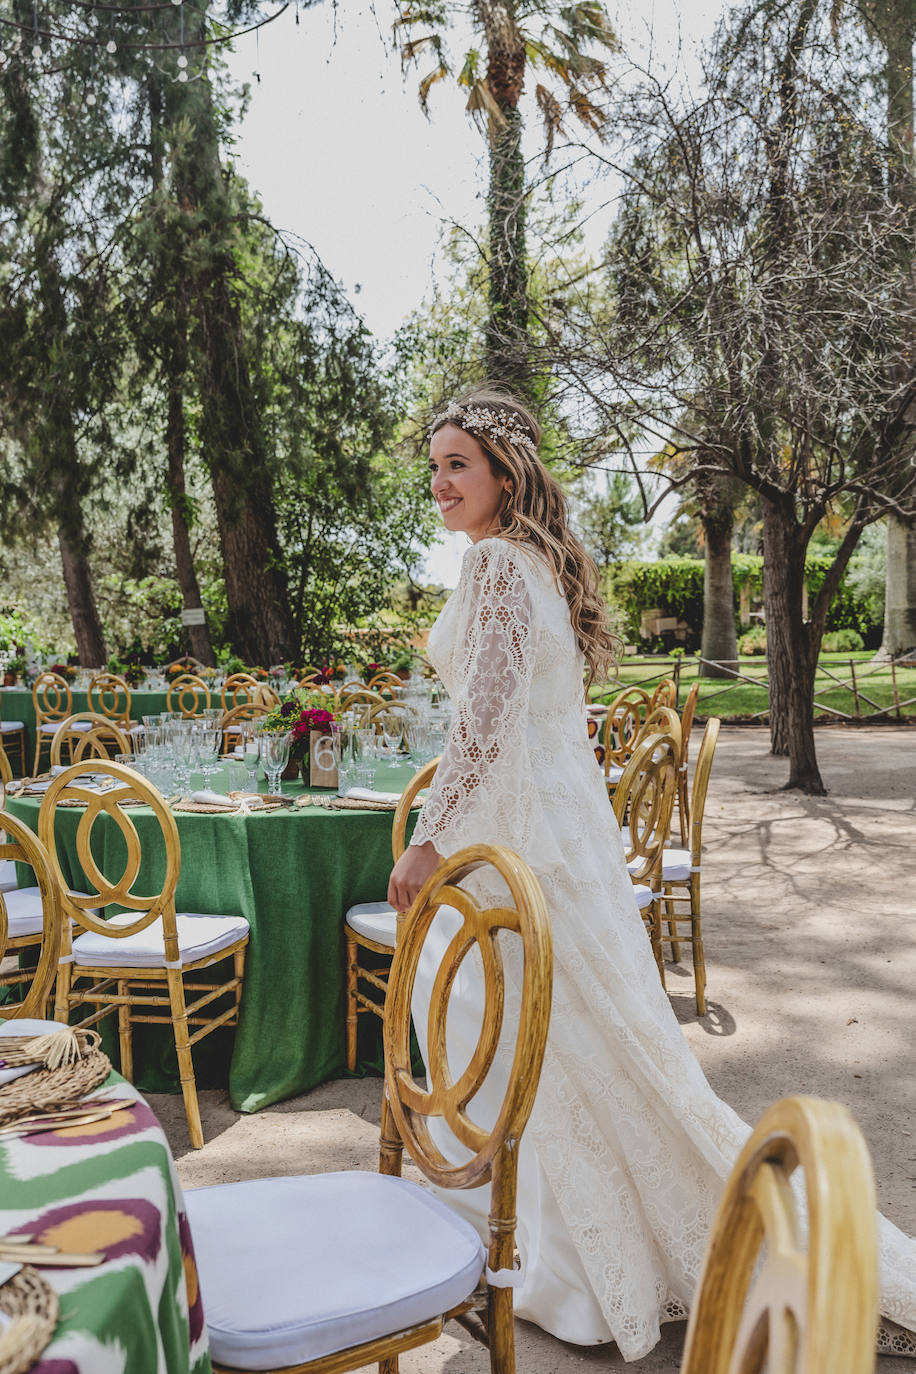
x=753, y=642
x=611, y=520
x=842, y=641
x=675, y=587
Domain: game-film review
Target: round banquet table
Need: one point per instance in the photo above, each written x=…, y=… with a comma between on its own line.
x=292, y=874
x=16, y=704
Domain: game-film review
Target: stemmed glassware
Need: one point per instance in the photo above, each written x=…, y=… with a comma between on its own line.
x=365, y=752
x=274, y=751
x=208, y=743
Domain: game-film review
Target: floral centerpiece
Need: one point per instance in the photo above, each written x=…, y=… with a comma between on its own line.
x=180, y=666
x=64, y=670
x=300, y=714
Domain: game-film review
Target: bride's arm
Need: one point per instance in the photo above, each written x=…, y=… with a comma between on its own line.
x=479, y=791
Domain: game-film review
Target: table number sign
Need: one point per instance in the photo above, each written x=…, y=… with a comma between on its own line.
x=324, y=756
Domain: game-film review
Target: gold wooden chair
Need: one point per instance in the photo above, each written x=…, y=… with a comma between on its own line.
x=389, y=712
x=643, y=802
x=88, y=735
x=7, y=868
x=379, y=681
x=188, y=694
x=681, y=872
x=622, y=725
x=683, y=800
x=53, y=702
x=148, y=957
x=13, y=737
x=779, y=1293
x=357, y=699
x=237, y=690
x=665, y=694
x=329, y=1272
x=233, y=722
x=373, y=925
x=30, y=921
x=109, y=695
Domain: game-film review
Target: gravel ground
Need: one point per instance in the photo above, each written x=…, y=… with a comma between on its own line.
x=809, y=920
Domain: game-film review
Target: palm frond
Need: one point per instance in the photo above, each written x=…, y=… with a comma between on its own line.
x=552, y=115
x=468, y=74
x=585, y=110
x=482, y=105
x=438, y=73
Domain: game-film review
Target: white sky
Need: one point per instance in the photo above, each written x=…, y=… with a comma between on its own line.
x=336, y=145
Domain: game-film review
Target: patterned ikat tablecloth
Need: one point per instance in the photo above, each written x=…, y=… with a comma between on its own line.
x=112, y=1187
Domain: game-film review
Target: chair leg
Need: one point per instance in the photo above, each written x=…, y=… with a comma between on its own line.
x=655, y=936
x=125, y=1034
x=238, y=965
x=501, y=1331
x=62, y=993
x=352, y=1004
x=389, y=1365
x=672, y=926
x=185, y=1062
x=683, y=809
x=699, y=954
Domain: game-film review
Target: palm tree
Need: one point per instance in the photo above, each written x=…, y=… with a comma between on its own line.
x=568, y=46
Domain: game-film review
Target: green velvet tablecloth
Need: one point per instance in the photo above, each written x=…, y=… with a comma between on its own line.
x=291, y=874
x=16, y=704
x=111, y=1187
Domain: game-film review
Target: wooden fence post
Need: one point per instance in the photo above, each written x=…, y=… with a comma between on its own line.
x=894, y=683
x=677, y=684
x=855, y=690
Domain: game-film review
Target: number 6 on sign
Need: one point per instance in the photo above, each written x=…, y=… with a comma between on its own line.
x=324, y=757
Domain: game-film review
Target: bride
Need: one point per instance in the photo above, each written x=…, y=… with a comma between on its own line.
x=628, y=1148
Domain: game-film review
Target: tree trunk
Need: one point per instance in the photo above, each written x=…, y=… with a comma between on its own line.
x=791, y=656
x=507, y=343
x=720, y=640
x=900, y=589
x=185, y=571
x=90, y=641
x=260, y=623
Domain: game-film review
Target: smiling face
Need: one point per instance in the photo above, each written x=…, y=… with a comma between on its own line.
x=468, y=492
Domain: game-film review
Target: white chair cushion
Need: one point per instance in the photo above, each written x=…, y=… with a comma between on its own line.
x=295, y=1268
x=676, y=865
x=233, y=730
x=643, y=895
x=50, y=726
x=199, y=937
x=375, y=920
x=24, y=911
x=11, y=727
x=7, y=875
x=614, y=773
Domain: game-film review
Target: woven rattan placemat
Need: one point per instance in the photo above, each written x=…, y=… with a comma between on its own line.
x=47, y=1090
x=31, y=1304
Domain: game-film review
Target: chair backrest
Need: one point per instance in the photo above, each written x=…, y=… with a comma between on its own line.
x=422, y=778
x=94, y=743
x=644, y=799
x=622, y=724
x=776, y=1293
x=188, y=694
x=102, y=889
x=665, y=694
x=248, y=710
x=237, y=690
x=23, y=846
x=51, y=698
x=384, y=679
x=687, y=715
x=662, y=720
x=382, y=715
x=360, y=696
x=6, y=771
x=701, y=786
x=109, y=695
x=409, y=1105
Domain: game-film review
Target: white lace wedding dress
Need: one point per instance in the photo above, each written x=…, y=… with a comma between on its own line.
x=628, y=1147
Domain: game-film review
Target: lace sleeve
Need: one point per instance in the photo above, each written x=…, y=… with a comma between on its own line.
x=480, y=791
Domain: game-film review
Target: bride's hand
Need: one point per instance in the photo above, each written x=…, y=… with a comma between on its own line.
x=410, y=873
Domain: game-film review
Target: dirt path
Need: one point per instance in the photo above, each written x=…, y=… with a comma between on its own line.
x=810, y=927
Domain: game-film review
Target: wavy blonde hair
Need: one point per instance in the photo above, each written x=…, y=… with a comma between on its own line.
x=535, y=513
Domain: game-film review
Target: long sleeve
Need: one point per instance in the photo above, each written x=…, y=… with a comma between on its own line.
x=481, y=790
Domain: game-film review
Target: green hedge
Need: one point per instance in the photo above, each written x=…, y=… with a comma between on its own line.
x=675, y=586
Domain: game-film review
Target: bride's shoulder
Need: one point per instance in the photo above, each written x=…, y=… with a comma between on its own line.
x=495, y=554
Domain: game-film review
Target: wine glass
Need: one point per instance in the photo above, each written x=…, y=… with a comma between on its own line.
x=366, y=752
x=208, y=743
x=274, y=751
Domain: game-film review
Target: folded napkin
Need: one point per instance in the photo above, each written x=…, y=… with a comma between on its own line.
x=366, y=794
x=210, y=798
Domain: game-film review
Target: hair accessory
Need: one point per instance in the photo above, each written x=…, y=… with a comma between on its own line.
x=483, y=419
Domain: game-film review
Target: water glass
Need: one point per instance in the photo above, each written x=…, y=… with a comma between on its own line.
x=274, y=752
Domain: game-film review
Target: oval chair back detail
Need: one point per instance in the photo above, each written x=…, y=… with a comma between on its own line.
x=373, y=926
x=622, y=725
x=404, y=1262
x=188, y=694
x=643, y=803
x=665, y=694
x=778, y=1293
x=109, y=695
x=118, y=964
x=238, y=690
x=52, y=702
x=33, y=920
x=88, y=735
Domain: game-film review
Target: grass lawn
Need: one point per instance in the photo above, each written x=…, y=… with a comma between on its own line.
x=741, y=699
